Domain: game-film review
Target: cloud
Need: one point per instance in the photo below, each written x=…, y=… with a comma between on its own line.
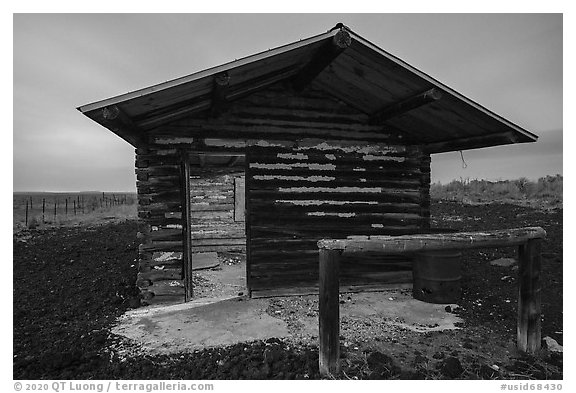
x=509, y=63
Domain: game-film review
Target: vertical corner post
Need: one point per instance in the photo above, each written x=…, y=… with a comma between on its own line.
x=248, y=218
x=329, y=312
x=186, y=236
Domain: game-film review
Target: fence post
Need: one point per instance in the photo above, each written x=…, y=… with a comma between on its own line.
x=26, y=214
x=329, y=312
x=55, y=207
x=31, y=206
x=74, y=206
x=43, y=209
x=529, y=303
x=66, y=206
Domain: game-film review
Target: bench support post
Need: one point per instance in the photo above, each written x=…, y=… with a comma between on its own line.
x=529, y=307
x=329, y=312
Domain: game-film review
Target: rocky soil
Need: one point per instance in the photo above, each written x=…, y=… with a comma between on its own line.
x=70, y=285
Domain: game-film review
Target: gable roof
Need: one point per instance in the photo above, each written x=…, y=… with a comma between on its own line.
x=342, y=63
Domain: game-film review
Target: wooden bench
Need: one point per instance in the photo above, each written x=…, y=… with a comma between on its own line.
x=528, y=240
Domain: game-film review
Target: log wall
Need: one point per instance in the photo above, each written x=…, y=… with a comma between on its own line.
x=315, y=169
x=330, y=189
x=158, y=183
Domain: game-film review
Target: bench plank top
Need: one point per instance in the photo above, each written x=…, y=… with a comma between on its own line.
x=432, y=242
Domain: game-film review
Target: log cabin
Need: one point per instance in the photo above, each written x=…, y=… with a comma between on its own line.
x=327, y=137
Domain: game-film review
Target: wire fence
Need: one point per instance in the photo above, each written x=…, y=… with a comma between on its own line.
x=34, y=209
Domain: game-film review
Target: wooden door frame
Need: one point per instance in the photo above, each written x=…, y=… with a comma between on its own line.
x=185, y=191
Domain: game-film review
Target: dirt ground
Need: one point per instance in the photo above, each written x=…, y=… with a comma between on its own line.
x=72, y=284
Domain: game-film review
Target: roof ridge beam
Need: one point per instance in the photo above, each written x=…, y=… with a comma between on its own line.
x=322, y=59
x=406, y=105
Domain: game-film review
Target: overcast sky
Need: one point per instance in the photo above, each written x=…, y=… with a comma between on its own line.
x=511, y=64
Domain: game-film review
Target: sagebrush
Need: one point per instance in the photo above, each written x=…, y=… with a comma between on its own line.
x=547, y=190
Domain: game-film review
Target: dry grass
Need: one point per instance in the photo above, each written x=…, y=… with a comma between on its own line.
x=95, y=217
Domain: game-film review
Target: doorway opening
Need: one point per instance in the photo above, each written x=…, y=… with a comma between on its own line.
x=216, y=220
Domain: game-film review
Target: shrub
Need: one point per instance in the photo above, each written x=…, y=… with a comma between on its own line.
x=546, y=189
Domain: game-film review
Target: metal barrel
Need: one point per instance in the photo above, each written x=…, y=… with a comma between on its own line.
x=437, y=276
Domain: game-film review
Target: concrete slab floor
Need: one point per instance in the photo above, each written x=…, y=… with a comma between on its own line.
x=225, y=321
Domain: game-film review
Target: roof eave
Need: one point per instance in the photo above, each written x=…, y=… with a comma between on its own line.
x=532, y=137
x=205, y=73
x=478, y=142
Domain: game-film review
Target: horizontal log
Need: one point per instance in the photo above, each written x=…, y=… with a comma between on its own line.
x=391, y=219
x=145, y=187
x=206, y=207
x=331, y=168
x=313, y=289
x=164, y=234
x=145, y=212
x=230, y=247
x=159, y=197
x=335, y=151
x=162, y=169
x=254, y=130
x=253, y=122
x=333, y=145
x=212, y=215
x=172, y=140
x=278, y=243
x=297, y=207
x=161, y=288
x=145, y=266
x=232, y=234
x=270, y=255
x=431, y=242
x=157, y=160
x=276, y=280
x=308, y=257
x=147, y=205
x=156, y=176
x=325, y=193
x=218, y=242
x=162, y=246
x=299, y=271
x=159, y=220
x=299, y=231
x=343, y=172
x=415, y=198
x=211, y=196
x=159, y=181
x=161, y=150
x=326, y=180
x=298, y=113
x=141, y=150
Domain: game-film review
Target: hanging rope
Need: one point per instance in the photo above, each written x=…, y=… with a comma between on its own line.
x=464, y=165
